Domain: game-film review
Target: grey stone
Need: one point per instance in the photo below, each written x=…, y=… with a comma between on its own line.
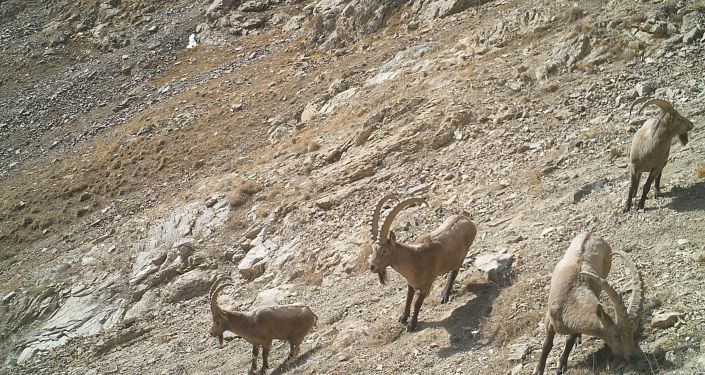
x=254, y=6
x=254, y=263
x=495, y=265
x=430, y=9
x=147, y=262
x=644, y=88
x=337, y=24
x=692, y=35
x=192, y=284
x=8, y=297
x=294, y=23
x=517, y=352
x=218, y=8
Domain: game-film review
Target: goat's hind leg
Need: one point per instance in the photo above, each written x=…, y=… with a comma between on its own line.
x=657, y=185
x=449, y=286
x=265, y=357
x=255, y=354
x=407, y=308
x=633, y=186
x=647, y=187
x=547, y=345
x=563, y=361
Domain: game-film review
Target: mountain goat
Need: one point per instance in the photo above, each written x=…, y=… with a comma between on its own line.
x=651, y=146
x=574, y=306
x=438, y=252
x=260, y=326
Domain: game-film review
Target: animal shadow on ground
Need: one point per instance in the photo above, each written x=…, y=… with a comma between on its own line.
x=288, y=366
x=465, y=319
x=689, y=198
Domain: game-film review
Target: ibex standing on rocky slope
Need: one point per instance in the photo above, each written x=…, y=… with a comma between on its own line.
x=574, y=306
x=438, y=252
x=260, y=326
x=651, y=146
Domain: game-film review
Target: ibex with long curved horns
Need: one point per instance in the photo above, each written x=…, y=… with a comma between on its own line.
x=436, y=253
x=574, y=306
x=260, y=326
x=651, y=146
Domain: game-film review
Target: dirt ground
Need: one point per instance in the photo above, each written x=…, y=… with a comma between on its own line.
x=117, y=143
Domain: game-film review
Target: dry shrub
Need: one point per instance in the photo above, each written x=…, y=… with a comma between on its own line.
x=241, y=192
x=273, y=192
x=551, y=87
x=700, y=172
x=574, y=13
x=261, y=212
x=535, y=177
x=304, y=145
x=513, y=314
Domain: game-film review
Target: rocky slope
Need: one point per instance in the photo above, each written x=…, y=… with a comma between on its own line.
x=263, y=132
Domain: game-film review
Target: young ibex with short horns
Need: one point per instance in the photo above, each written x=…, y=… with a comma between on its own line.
x=574, y=306
x=260, y=326
x=651, y=146
x=436, y=253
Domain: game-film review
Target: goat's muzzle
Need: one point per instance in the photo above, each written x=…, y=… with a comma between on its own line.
x=683, y=138
x=381, y=273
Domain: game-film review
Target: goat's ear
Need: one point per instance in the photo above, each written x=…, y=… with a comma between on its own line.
x=392, y=237
x=603, y=315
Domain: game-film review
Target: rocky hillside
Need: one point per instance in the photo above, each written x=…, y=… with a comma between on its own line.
x=261, y=133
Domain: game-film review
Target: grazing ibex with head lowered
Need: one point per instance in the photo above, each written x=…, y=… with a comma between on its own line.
x=651, y=146
x=574, y=306
x=260, y=326
x=436, y=253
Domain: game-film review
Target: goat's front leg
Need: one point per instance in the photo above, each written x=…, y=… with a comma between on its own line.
x=449, y=286
x=255, y=354
x=407, y=308
x=563, y=361
x=547, y=345
x=411, y=327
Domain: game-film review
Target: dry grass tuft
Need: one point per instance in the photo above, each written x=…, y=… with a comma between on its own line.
x=261, y=212
x=574, y=13
x=514, y=314
x=700, y=172
x=304, y=145
x=535, y=177
x=242, y=192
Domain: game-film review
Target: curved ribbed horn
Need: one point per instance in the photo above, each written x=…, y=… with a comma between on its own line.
x=636, y=301
x=215, y=284
x=617, y=301
x=215, y=307
x=375, y=215
x=664, y=105
x=637, y=101
x=384, y=233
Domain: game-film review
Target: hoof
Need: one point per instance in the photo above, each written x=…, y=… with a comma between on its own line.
x=403, y=319
x=411, y=328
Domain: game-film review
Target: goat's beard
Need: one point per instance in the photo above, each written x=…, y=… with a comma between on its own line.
x=382, y=274
x=684, y=138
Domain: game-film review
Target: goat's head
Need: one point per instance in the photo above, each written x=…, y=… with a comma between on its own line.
x=621, y=336
x=218, y=326
x=384, y=241
x=671, y=118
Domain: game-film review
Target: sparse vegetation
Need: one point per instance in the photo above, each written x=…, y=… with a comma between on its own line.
x=242, y=191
